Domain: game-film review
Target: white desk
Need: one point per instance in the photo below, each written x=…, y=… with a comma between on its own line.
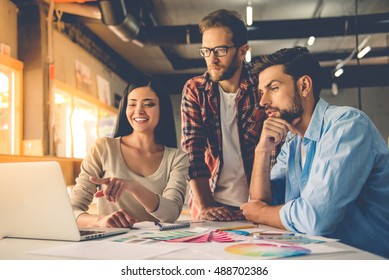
x=18, y=249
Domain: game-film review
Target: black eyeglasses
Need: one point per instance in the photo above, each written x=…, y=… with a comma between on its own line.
x=217, y=51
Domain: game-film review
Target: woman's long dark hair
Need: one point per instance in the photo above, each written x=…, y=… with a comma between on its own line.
x=165, y=131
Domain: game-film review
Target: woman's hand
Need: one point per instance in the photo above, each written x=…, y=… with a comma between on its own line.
x=118, y=219
x=114, y=187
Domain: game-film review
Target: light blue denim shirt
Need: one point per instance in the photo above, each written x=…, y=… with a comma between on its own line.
x=343, y=189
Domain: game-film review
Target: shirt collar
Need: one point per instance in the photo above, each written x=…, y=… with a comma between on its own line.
x=315, y=125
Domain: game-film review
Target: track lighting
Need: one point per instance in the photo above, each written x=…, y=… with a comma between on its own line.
x=248, y=55
x=249, y=14
x=311, y=40
x=363, y=52
x=338, y=72
x=334, y=89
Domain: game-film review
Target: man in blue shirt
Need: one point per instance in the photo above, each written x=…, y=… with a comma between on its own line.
x=332, y=174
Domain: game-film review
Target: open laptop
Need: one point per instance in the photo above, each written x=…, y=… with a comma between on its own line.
x=34, y=203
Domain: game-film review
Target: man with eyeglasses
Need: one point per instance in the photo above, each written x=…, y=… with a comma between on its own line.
x=221, y=120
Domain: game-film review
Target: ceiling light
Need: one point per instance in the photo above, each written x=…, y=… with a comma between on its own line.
x=249, y=14
x=248, y=55
x=338, y=69
x=338, y=72
x=334, y=89
x=311, y=40
x=363, y=52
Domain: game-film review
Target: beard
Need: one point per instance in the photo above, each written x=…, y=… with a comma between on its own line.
x=295, y=111
x=226, y=74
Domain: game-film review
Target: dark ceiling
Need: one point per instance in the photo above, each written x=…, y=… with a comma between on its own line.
x=161, y=36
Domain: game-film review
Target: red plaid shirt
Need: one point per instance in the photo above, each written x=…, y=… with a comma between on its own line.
x=201, y=124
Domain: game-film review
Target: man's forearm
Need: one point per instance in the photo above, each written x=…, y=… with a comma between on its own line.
x=202, y=192
x=270, y=215
x=260, y=187
x=260, y=212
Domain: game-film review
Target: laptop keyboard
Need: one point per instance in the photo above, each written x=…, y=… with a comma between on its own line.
x=87, y=232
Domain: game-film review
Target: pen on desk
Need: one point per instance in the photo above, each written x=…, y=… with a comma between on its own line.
x=238, y=227
x=264, y=233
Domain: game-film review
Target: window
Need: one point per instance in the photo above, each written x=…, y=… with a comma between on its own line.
x=10, y=105
x=79, y=119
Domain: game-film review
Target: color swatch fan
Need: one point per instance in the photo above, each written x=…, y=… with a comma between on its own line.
x=215, y=236
x=266, y=250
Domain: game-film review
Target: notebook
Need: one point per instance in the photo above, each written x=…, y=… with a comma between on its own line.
x=34, y=203
x=170, y=226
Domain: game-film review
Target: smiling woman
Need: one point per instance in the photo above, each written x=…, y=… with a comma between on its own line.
x=141, y=170
x=165, y=130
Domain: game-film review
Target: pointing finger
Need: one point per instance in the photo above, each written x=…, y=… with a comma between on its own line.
x=99, y=194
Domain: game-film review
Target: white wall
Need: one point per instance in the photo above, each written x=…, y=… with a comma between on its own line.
x=8, y=26
x=67, y=52
x=374, y=101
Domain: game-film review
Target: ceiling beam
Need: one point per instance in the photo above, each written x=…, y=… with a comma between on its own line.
x=73, y=1
x=368, y=76
x=319, y=27
x=272, y=30
x=126, y=23
x=181, y=63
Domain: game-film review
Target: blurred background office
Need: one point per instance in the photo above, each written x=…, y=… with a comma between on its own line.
x=64, y=64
